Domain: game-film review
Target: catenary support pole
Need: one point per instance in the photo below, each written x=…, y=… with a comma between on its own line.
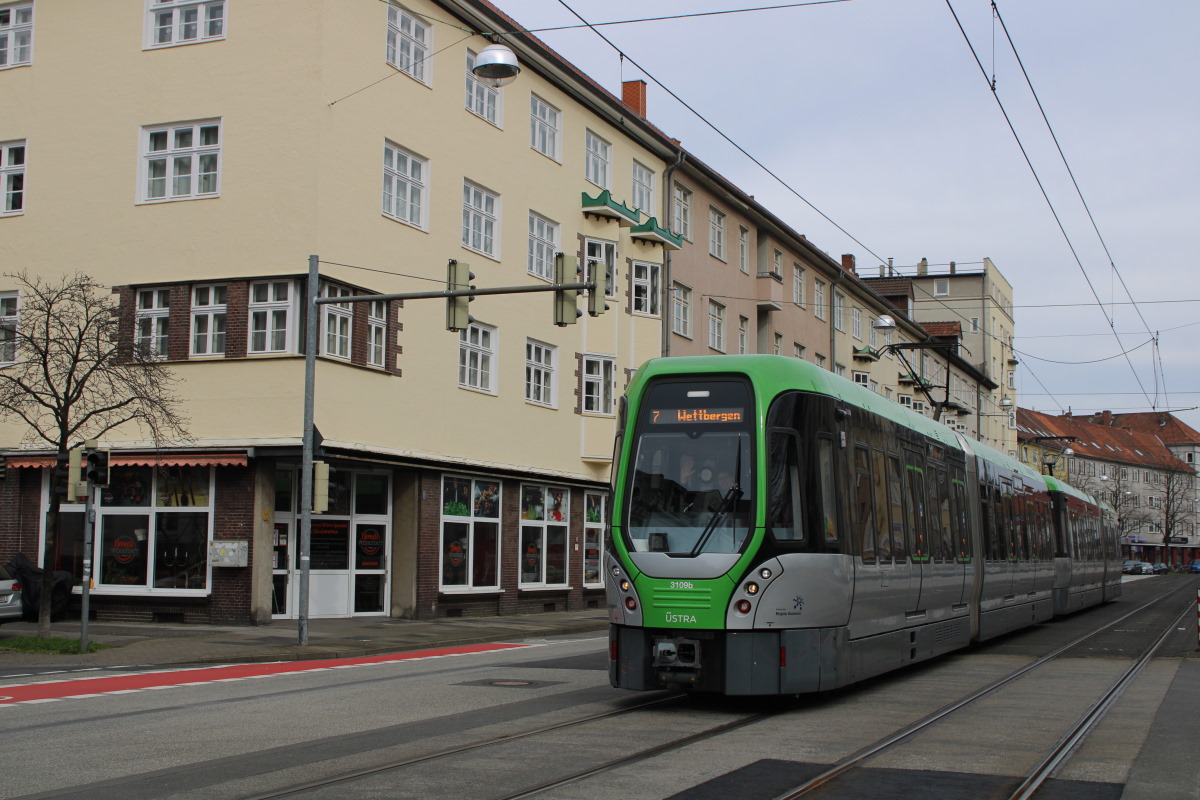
x=306, y=465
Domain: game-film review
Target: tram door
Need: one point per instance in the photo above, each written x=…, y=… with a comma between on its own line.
x=917, y=523
x=883, y=572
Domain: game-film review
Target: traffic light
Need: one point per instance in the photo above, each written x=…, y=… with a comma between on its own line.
x=64, y=476
x=596, y=304
x=458, y=278
x=97, y=467
x=320, y=487
x=3, y=467
x=566, y=270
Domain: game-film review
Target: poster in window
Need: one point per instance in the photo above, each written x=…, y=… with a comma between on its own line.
x=487, y=499
x=329, y=547
x=456, y=497
x=369, y=545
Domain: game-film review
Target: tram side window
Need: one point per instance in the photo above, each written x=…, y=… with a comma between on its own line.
x=961, y=537
x=864, y=506
x=896, y=507
x=916, y=513
x=785, y=516
x=944, y=544
x=826, y=474
x=883, y=538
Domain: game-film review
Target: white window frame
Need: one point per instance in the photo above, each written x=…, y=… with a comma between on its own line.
x=16, y=35
x=839, y=311
x=941, y=287
x=819, y=298
x=595, y=516
x=646, y=282
x=377, y=311
x=681, y=211
x=337, y=322
x=190, y=168
x=152, y=322
x=545, y=128
x=10, y=320
x=481, y=220
x=273, y=317
x=643, y=188
x=541, y=373
x=716, y=326
x=482, y=100
x=171, y=23
x=799, y=274
x=409, y=44
x=862, y=378
x=681, y=310
x=744, y=249
x=473, y=520
x=543, y=244
x=716, y=233
x=603, y=251
x=478, y=349
x=597, y=160
x=598, y=377
x=405, y=185
x=743, y=335
x=538, y=521
x=13, y=156
x=209, y=309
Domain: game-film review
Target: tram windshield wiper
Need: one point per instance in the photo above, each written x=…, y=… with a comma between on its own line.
x=733, y=495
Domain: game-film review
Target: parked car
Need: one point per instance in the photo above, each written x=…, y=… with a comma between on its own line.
x=10, y=596
x=1194, y=566
x=1131, y=567
x=1160, y=568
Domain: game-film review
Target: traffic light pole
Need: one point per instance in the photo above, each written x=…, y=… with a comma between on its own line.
x=310, y=381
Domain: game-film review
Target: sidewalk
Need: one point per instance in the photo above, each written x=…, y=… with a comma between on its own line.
x=159, y=644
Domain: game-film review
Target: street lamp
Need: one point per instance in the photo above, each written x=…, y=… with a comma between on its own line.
x=496, y=66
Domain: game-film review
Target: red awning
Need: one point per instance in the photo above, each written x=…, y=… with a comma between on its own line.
x=178, y=459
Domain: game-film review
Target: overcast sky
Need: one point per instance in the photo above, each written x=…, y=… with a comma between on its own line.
x=876, y=113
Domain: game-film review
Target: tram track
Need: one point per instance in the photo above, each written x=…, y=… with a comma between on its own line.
x=827, y=781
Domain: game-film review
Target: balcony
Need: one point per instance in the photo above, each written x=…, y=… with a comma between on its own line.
x=650, y=231
x=603, y=205
x=867, y=353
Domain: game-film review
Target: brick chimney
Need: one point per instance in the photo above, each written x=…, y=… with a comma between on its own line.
x=848, y=263
x=633, y=94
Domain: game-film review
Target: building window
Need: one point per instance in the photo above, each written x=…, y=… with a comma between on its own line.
x=597, y=160
x=645, y=288
x=839, y=370
x=544, y=128
x=181, y=161
x=481, y=217
x=601, y=252
x=716, y=233
x=482, y=100
x=9, y=319
x=716, y=326
x=543, y=244
x=643, y=188
x=777, y=263
x=744, y=249
x=476, y=357
x=153, y=316
x=272, y=308
x=545, y=517
x=540, y=362
x=819, y=298
x=337, y=319
x=377, y=333
x=905, y=400
x=409, y=41
x=798, y=294
x=941, y=287
x=470, y=546
x=12, y=177
x=777, y=345
x=862, y=378
x=681, y=310
x=681, y=220
x=595, y=514
x=743, y=335
x=598, y=384
x=172, y=22
x=208, y=320
x=839, y=311
x=856, y=322
x=405, y=178
x=798, y=350
x=974, y=324
x=820, y=360
x=16, y=35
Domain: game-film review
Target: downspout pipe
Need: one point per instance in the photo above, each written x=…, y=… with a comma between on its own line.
x=664, y=304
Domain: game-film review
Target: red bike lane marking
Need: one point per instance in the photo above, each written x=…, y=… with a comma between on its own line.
x=87, y=687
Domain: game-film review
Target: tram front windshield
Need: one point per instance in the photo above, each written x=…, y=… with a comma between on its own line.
x=691, y=486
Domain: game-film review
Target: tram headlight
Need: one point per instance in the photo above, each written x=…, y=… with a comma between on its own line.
x=631, y=603
x=765, y=573
x=742, y=606
x=751, y=588
x=625, y=584
x=616, y=572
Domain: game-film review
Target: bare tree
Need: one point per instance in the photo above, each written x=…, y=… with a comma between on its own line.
x=1119, y=492
x=1177, y=510
x=71, y=378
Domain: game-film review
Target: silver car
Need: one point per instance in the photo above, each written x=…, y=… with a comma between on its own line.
x=10, y=596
